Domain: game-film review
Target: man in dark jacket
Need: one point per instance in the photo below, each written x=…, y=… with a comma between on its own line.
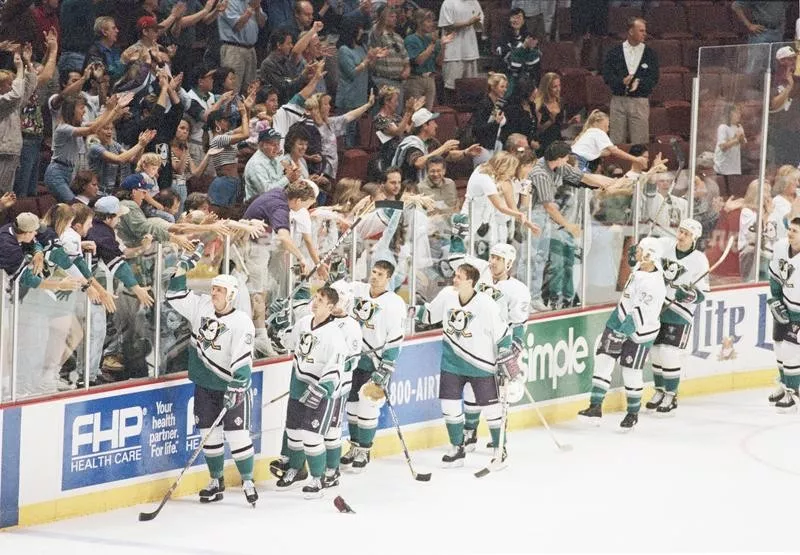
x=631, y=72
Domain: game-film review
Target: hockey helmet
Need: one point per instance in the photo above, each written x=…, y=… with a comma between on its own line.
x=651, y=250
x=506, y=252
x=231, y=285
x=692, y=226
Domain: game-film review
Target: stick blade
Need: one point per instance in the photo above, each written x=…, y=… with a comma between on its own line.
x=145, y=517
x=422, y=476
x=483, y=472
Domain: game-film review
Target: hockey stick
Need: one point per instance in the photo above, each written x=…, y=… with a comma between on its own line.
x=395, y=204
x=561, y=446
x=150, y=516
x=492, y=466
x=418, y=476
x=716, y=264
x=275, y=399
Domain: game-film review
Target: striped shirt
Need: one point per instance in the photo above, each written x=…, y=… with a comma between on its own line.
x=229, y=153
x=545, y=182
x=391, y=65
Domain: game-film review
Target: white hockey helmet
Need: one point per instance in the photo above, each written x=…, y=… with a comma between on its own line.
x=345, y=303
x=651, y=250
x=506, y=252
x=692, y=226
x=231, y=285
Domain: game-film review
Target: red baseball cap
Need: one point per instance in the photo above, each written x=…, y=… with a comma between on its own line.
x=146, y=22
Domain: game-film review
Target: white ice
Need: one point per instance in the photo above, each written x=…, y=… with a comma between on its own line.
x=720, y=475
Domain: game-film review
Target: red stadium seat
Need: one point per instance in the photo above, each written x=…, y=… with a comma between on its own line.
x=598, y=95
x=669, y=55
x=558, y=55
x=667, y=22
x=670, y=87
x=353, y=163
x=711, y=21
x=659, y=122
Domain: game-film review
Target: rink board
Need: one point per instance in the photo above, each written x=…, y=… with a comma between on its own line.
x=84, y=454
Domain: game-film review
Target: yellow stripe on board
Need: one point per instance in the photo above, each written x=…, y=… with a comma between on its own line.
x=387, y=444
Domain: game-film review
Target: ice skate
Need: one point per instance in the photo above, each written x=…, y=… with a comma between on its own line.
x=470, y=440
x=361, y=459
x=454, y=457
x=313, y=490
x=668, y=404
x=655, y=400
x=592, y=415
x=629, y=421
x=213, y=491
x=250, y=492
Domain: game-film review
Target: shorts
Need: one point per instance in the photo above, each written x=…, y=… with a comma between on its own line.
x=302, y=417
x=456, y=70
x=674, y=335
x=256, y=259
x=360, y=377
x=208, y=403
x=451, y=388
x=633, y=354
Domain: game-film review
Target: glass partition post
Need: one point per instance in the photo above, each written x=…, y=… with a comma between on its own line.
x=157, y=306
x=353, y=251
x=412, y=281
x=585, y=217
x=87, y=341
x=693, y=139
x=226, y=255
x=291, y=284
x=762, y=170
x=14, y=338
x=4, y=327
x=528, y=248
x=472, y=228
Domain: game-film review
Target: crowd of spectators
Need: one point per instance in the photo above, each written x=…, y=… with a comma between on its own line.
x=152, y=125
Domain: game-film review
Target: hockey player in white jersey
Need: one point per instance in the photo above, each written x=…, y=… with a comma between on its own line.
x=629, y=334
x=682, y=266
x=784, y=285
x=513, y=298
x=475, y=336
x=382, y=315
x=220, y=365
x=351, y=331
x=319, y=354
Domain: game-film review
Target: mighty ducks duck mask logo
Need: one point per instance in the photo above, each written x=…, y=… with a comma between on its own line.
x=457, y=323
x=210, y=330
x=364, y=310
x=672, y=270
x=785, y=270
x=305, y=346
x=493, y=292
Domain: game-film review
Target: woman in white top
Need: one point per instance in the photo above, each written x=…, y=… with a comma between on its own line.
x=730, y=138
x=593, y=143
x=746, y=242
x=486, y=192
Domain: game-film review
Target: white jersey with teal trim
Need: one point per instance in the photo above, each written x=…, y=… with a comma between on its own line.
x=642, y=299
x=223, y=343
x=351, y=331
x=382, y=319
x=472, y=331
x=783, y=269
x=319, y=352
x=683, y=271
x=511, y=295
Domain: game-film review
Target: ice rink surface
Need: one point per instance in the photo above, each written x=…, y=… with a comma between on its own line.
x=720, y=475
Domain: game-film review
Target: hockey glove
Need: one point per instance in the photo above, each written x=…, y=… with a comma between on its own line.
x=460, y=225
x=686, y=294
x=383, y=374
x=234, y=395
x=508, y=364
x=187, y=261
x=632, y=256
x=613, y=342
x=483, y=229
x=779, y=311
x=313, y=396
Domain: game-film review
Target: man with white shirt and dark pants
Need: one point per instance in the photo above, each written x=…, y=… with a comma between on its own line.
x=631, y=72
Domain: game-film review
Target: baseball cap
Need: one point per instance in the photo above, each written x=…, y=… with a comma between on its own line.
x=26, y=222
x=422, y=116
x=146, y=22
x=134, y=181
x=110, y=205
x=785, y=52
x=269, y=135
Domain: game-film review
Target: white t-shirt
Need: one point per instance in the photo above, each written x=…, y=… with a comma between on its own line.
x=591, y=144
x=727, y=162
x=300, y=224
x=465, y=44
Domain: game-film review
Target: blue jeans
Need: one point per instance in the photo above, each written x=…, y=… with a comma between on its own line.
x=182, y=192
x=224, y=190
x=58, y=178
x=28, y=171
x=767, y=35
x=540, y=250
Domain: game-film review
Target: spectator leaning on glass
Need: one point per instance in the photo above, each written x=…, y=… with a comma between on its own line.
x=730, y=138
x=546, y=178
x=631, y=72
x=15, y=90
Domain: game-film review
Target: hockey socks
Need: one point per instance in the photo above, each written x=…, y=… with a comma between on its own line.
x=472, y=418
x=658, y=378
x=495, y=433
x=216, y=465
x=245, y=467
x=597, y=395
x=366, y=436
x=332, y=457
x=456, y=433
x=316, y=464
x=285, y=451
x=353, y=428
